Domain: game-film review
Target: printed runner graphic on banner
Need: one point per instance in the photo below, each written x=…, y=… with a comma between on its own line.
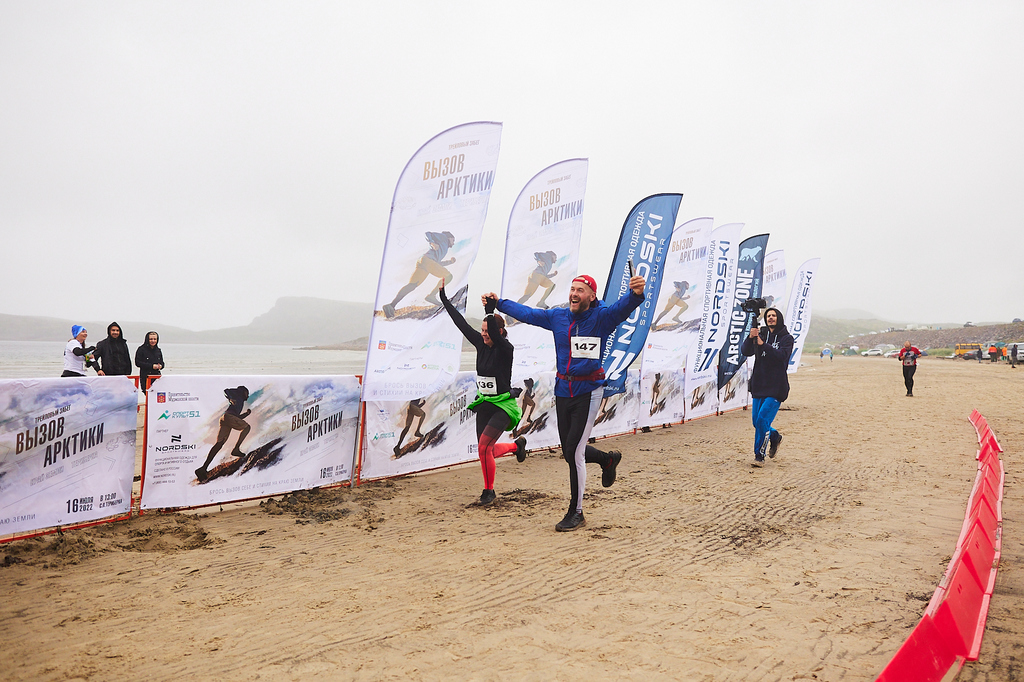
x=537, y=402
x=67, y=451
x=215, y=439
x=437, y=215
x=541, y=256
x=644, y=241
x=662, y=398
x=702, y=356
x=798, y=315
x=735, y=393
x=618, y=413
x=749, y=277
x=436, y=430
x=677, y=320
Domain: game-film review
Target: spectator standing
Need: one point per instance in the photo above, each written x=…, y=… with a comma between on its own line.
x=112, y=352
x=908, y=357
x=149, y=359
x=76, y=356
x=1013, y=356
x=771, y=347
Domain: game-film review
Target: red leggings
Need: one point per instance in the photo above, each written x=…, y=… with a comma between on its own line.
x=491, y=422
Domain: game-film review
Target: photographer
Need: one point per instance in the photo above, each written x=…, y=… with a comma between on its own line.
x=771, y=347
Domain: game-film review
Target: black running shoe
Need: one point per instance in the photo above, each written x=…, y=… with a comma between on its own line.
x=608, y=475
x=487, y=496
x=572, y=521
x=521, y=449
x=758, y=462
x=389, y=310
x=774, y=442
x=201, y=474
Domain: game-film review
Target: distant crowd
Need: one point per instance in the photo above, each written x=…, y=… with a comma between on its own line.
x=110, y=357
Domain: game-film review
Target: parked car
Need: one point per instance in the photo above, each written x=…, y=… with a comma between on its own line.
x=872, y=351
x=891, y=354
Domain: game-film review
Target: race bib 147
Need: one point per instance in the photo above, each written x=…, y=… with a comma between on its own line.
x=586, y=347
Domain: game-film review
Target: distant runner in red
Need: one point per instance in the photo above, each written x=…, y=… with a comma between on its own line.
x=908, y=356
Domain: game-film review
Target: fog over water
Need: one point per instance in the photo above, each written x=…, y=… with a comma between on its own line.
x=189, y=163
x=38, y=359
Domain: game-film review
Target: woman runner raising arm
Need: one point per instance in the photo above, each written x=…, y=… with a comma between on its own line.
x=496, y=410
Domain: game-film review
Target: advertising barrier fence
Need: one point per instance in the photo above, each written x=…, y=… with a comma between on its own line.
x=216, y=439
x=210, y=440
x=67, y=451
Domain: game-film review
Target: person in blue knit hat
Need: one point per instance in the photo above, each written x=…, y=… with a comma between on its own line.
x=76, y=356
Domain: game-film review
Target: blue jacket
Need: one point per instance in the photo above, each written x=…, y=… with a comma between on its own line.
x=599, y=320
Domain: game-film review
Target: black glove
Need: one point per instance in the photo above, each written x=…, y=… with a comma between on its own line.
x=490, y=306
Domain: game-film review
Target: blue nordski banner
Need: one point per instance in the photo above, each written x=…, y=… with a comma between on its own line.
x=645, y=238
x=749, y=282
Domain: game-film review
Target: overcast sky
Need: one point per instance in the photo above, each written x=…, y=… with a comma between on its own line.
x=189, y=163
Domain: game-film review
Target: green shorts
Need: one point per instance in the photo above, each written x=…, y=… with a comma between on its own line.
x=506, y=402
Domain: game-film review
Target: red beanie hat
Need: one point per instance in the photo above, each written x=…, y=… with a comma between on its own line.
x=588, y=280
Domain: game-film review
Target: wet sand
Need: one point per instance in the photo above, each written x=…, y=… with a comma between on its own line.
x=693, y=566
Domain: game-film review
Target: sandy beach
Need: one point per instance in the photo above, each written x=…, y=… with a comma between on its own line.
x=693, y=566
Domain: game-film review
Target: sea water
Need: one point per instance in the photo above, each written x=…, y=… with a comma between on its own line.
x=39, y=359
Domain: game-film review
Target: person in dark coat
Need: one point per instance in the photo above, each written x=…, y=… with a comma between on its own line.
x=149, y=359
x=771, y=347
x=112, y=352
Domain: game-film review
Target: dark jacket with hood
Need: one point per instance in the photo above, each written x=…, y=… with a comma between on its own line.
x=145, y=357
x=113, y=354
x=771, y=361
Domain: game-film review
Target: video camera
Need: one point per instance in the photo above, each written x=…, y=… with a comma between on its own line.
x=754, y=305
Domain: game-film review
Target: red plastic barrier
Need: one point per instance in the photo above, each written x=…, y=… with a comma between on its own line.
x=954, y=621
x=981, y=557
x=961, y=616
x=926, y=656
x=989, y=440
x=984, y=513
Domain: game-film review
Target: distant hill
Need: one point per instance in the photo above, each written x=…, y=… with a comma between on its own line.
x=292, y=321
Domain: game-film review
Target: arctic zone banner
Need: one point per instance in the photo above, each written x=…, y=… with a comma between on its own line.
x=437, y=215
x=644, y=241
x=541, y=256
x=619, y=412
x=716, y=306
x=403, y=437
x=798, y=316
x=215, y=439
x=749, y=275
x=67, y=450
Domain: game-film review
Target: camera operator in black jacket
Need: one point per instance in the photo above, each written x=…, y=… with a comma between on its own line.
x=771, y=347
